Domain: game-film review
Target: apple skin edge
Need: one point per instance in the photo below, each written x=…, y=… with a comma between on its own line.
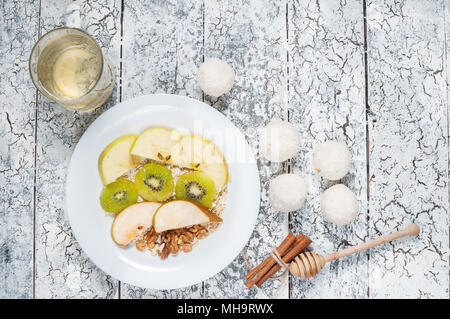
x=107, y=149
x=212, y=217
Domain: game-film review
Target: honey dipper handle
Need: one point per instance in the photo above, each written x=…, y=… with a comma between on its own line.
x=412, y=230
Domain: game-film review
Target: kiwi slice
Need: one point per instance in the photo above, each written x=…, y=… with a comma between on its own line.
x=154, y=182
x=197, y=187
x=118, y=195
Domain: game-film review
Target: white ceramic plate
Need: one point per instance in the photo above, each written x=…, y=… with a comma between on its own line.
x=91, y=226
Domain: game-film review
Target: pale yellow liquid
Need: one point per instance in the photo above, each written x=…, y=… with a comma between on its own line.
x=70, y=71
x=75, y=72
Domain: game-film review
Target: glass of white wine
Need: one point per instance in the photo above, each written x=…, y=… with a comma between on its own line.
x=68, y=66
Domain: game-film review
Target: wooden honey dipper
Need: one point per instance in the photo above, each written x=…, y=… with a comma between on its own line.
x=309, y=264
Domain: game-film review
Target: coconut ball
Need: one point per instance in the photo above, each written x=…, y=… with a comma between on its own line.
x=287, y=192
x=339, y=205
x=215, y=77
x=279, y=140
x=331, y=160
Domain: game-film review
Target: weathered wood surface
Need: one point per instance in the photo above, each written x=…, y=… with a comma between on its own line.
x=408, y=146
x=326, y=100
x=298, y=60
x=19, y=22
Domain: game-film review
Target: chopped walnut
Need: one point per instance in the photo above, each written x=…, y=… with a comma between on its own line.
x=173, y=241
x=202, y=233
x=187, y=236
x=194, y=229
x=186, y=247
x=141, y=244
x=173, y=244
x=164, y=253
x=151, y=236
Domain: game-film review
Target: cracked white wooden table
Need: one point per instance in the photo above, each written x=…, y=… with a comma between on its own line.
x=370, y=73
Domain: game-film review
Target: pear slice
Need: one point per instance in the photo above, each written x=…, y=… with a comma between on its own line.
x=155, y=143
x=196, y=152
x=133, y=221
x=115, y=159
x=180, y=214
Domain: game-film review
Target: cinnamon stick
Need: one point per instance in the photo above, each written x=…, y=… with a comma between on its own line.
x=253, y=272
x=271, y=264
x=256, y=273
x=282, y=248
x=301, y=243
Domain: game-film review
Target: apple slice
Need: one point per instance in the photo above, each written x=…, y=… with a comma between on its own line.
x=181, y=213
x=196, y=152
x=155, y=143
x=115, y=159
x=218, y=172
x=133, y=221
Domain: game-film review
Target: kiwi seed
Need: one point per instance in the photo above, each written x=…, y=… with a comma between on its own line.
x=120, y=196
x=195, y=190
x=155, y=183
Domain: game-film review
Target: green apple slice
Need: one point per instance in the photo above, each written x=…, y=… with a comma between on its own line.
x=133, y=221
x=218, y=172
x=155, y=143
x=180, y=214
x=196, y=152
x=115, y=159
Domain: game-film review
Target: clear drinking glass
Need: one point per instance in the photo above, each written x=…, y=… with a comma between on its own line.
x=68, y=67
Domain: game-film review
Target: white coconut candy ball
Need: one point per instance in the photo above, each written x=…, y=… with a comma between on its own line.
x=279, y=140
x=339, y=205
x=331, y=160
x=287, y=192
x=215, y=77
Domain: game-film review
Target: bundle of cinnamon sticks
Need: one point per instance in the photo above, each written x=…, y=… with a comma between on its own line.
x=290, y=247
